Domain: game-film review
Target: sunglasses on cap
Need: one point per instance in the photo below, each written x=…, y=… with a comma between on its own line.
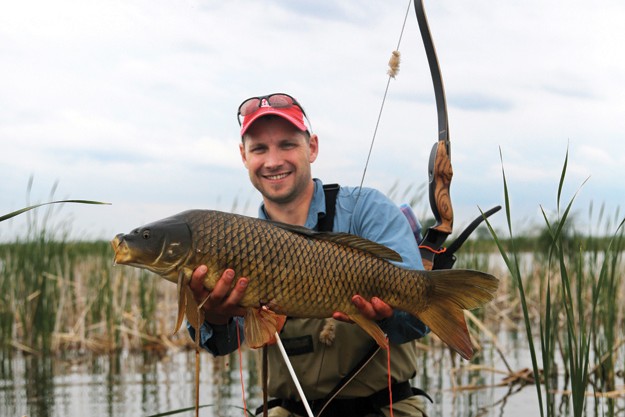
x=276, y=100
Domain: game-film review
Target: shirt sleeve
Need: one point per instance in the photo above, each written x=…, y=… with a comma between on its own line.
x=219, y=339
x=403, y=327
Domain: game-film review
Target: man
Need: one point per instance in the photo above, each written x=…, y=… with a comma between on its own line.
x=278, y=148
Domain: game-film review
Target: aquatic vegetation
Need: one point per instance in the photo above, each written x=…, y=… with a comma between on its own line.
x=558, y=297
x=578, y=309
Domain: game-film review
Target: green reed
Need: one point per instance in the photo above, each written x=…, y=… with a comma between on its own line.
x=609, y=315
x=28, y=292
x=578, y=282
x=58, y=295
x=511, y=259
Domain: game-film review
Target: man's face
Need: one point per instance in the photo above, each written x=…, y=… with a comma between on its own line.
x=278, y=156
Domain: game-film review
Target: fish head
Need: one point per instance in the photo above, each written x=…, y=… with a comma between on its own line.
x=160, y=247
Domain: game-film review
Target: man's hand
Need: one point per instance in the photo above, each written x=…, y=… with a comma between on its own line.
x=222, y=303
x=376, y=309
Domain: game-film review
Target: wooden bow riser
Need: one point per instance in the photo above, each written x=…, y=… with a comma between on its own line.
x=442, y=176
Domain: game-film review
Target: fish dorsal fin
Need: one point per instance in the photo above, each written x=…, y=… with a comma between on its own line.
x=362, y=244
x=345, y=239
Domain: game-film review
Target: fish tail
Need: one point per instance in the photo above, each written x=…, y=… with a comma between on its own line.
x=451, y=292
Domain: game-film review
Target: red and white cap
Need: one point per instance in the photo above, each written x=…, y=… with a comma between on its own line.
x=291, y=113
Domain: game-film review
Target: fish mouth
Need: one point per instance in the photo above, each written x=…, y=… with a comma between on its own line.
x=122, y=251
x=124, y=255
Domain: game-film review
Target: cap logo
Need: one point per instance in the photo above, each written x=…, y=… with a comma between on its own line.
x=264, y=103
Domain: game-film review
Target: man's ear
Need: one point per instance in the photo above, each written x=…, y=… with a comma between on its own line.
x=242, y=151
x=313, y=145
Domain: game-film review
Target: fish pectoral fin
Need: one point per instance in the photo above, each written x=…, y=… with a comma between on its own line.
x=371, y=327
x=261, y=325
x=185, y=296
x=195, y=315
x=182, y=302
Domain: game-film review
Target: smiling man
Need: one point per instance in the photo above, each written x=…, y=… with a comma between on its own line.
x=278, y=156
x=278, y=148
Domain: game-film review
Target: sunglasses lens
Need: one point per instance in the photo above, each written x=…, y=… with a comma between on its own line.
x=280, y=100
x=249, y=106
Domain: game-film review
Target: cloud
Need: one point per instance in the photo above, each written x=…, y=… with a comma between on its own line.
x=134, y=102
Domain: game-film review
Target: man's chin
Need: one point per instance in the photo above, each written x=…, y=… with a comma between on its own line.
x=280, y=196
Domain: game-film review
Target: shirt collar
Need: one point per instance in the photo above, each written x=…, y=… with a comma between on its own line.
x=317, y=206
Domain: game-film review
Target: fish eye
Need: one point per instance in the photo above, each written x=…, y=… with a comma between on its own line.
x=146, y=234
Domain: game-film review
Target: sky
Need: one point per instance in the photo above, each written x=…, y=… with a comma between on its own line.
x=134, y=103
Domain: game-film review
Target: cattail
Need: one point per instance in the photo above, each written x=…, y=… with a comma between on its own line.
x=393, y=64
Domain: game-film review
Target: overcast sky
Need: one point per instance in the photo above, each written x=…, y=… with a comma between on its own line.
x=133, y=102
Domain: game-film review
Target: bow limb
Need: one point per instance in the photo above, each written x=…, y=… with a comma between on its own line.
x=440, y=171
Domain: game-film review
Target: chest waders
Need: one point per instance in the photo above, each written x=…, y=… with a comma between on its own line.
x=328, y=406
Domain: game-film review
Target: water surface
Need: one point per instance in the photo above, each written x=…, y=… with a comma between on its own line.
x=149, y=383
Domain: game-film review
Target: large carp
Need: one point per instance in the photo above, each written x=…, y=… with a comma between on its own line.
x=298, y=272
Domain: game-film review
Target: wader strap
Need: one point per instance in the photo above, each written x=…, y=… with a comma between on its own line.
x=323, y=403
x=352, y=407
x=325, y=223
x=377, y=400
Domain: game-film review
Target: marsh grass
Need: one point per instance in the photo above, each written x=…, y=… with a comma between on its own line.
x=579, y=317
x=59, y=296
x=560, y=286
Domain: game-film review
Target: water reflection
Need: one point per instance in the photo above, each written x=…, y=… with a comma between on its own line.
x=123, y=385
x=151, y=382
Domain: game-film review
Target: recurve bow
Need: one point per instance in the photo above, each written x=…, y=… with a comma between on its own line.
x=440, y=172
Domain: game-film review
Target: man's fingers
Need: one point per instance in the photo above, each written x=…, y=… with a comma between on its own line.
x=337, y=315
x=222, y=288
x=197, y=279
x=375, y=309
x=382, y=309
x=365, y=307
x=238, y=291
x=231, y=303
x=224, y=299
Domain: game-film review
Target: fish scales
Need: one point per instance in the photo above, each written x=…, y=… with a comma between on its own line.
x=297, y=272
x=287, y=270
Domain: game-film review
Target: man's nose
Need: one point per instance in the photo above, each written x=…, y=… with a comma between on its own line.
x=273, y=158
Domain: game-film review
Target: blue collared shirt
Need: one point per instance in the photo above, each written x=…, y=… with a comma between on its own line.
x=365, y=212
